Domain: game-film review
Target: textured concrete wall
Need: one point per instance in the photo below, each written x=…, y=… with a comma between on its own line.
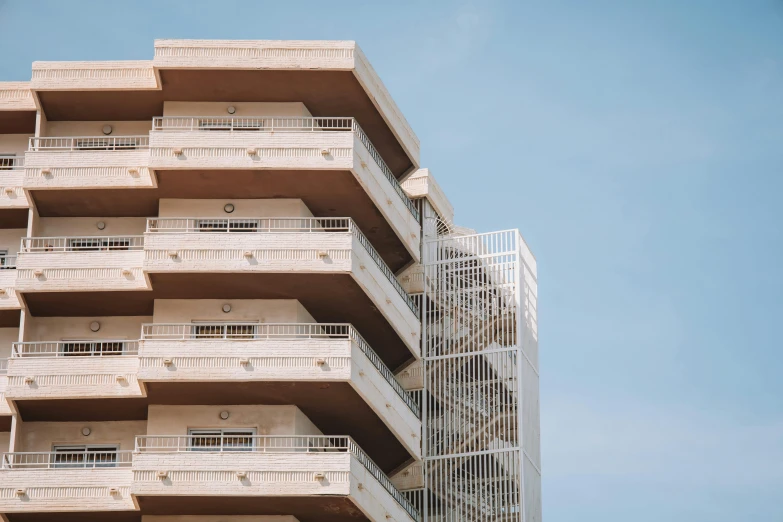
x=268, y=474
x=65, y=490
x=73, y=377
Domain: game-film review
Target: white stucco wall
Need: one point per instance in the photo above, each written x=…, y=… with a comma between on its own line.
x=267, y=420
x=15, y=144
x=86, y=226
x=242, y=208
x=41, y=436
x=8, y=336
x=11, y=239
x=261, y=310
x=243, y=109
x=95, y=128
x=39, y=329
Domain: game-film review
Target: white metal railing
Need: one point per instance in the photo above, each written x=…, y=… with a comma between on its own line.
x=80, y=348
x=8, y=162
x=259, y=225
x=232, y=443
x=85, y=143
x=76, y=459
x=82, y=244
x=257, y=123
x=284, y=124
x=244, y=225
x=7, y=262
x=258, y=331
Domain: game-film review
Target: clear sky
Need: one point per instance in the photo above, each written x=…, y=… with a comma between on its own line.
x=639, y=148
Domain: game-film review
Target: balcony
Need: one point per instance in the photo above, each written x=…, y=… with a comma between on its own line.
x=325, y=263
x=17, y=108
x=73, y=370
x=66, y=481
x=206, y=361
x=8, y=298
x=88, y=162
x=11, y=182
x=289, y=145
x=328, y=478
x=85, y=263
x=5, y=408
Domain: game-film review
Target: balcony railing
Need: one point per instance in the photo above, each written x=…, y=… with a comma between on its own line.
x=293, y=331
x=81, y=348
x=7, y=262
x=259, y=123
x=11, y=162
x=273, y=444
x=280, y=225
x=89, y=143
x=284, y=124
x=244, y=225
x=82, y=244
x=76, y=459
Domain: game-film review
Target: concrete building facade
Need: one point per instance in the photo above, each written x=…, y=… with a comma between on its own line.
x=229, y=292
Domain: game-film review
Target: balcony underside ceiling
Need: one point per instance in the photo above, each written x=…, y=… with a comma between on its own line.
x=327, y=193
x=334, y=407
x=9, y=318
x=86, y=516
x=330, y=298
x=17, y=122
x=324, y=93
x=13, y=218
x=306, y=509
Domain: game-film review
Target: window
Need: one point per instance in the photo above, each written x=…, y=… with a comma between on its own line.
x=94, y=244
x=226, y=225
x=228, y=124
x=90, y=347
x=240, y=439
x=7, y=161
x=83, y=456
x=214, y=330
x=106, y=144
x=85, y=244
x=6, y=263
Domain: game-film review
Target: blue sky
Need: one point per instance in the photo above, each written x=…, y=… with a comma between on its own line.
x=639, y=148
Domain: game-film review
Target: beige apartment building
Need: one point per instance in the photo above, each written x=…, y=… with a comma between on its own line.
x=229, y=292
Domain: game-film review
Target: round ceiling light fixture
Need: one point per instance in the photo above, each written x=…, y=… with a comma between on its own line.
x=231, y=109
x=107, y=129
x=86, y=431
x=228, y=208
x=95, y=326
x=100, y=225
x=226, y=308
x=224, y=414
